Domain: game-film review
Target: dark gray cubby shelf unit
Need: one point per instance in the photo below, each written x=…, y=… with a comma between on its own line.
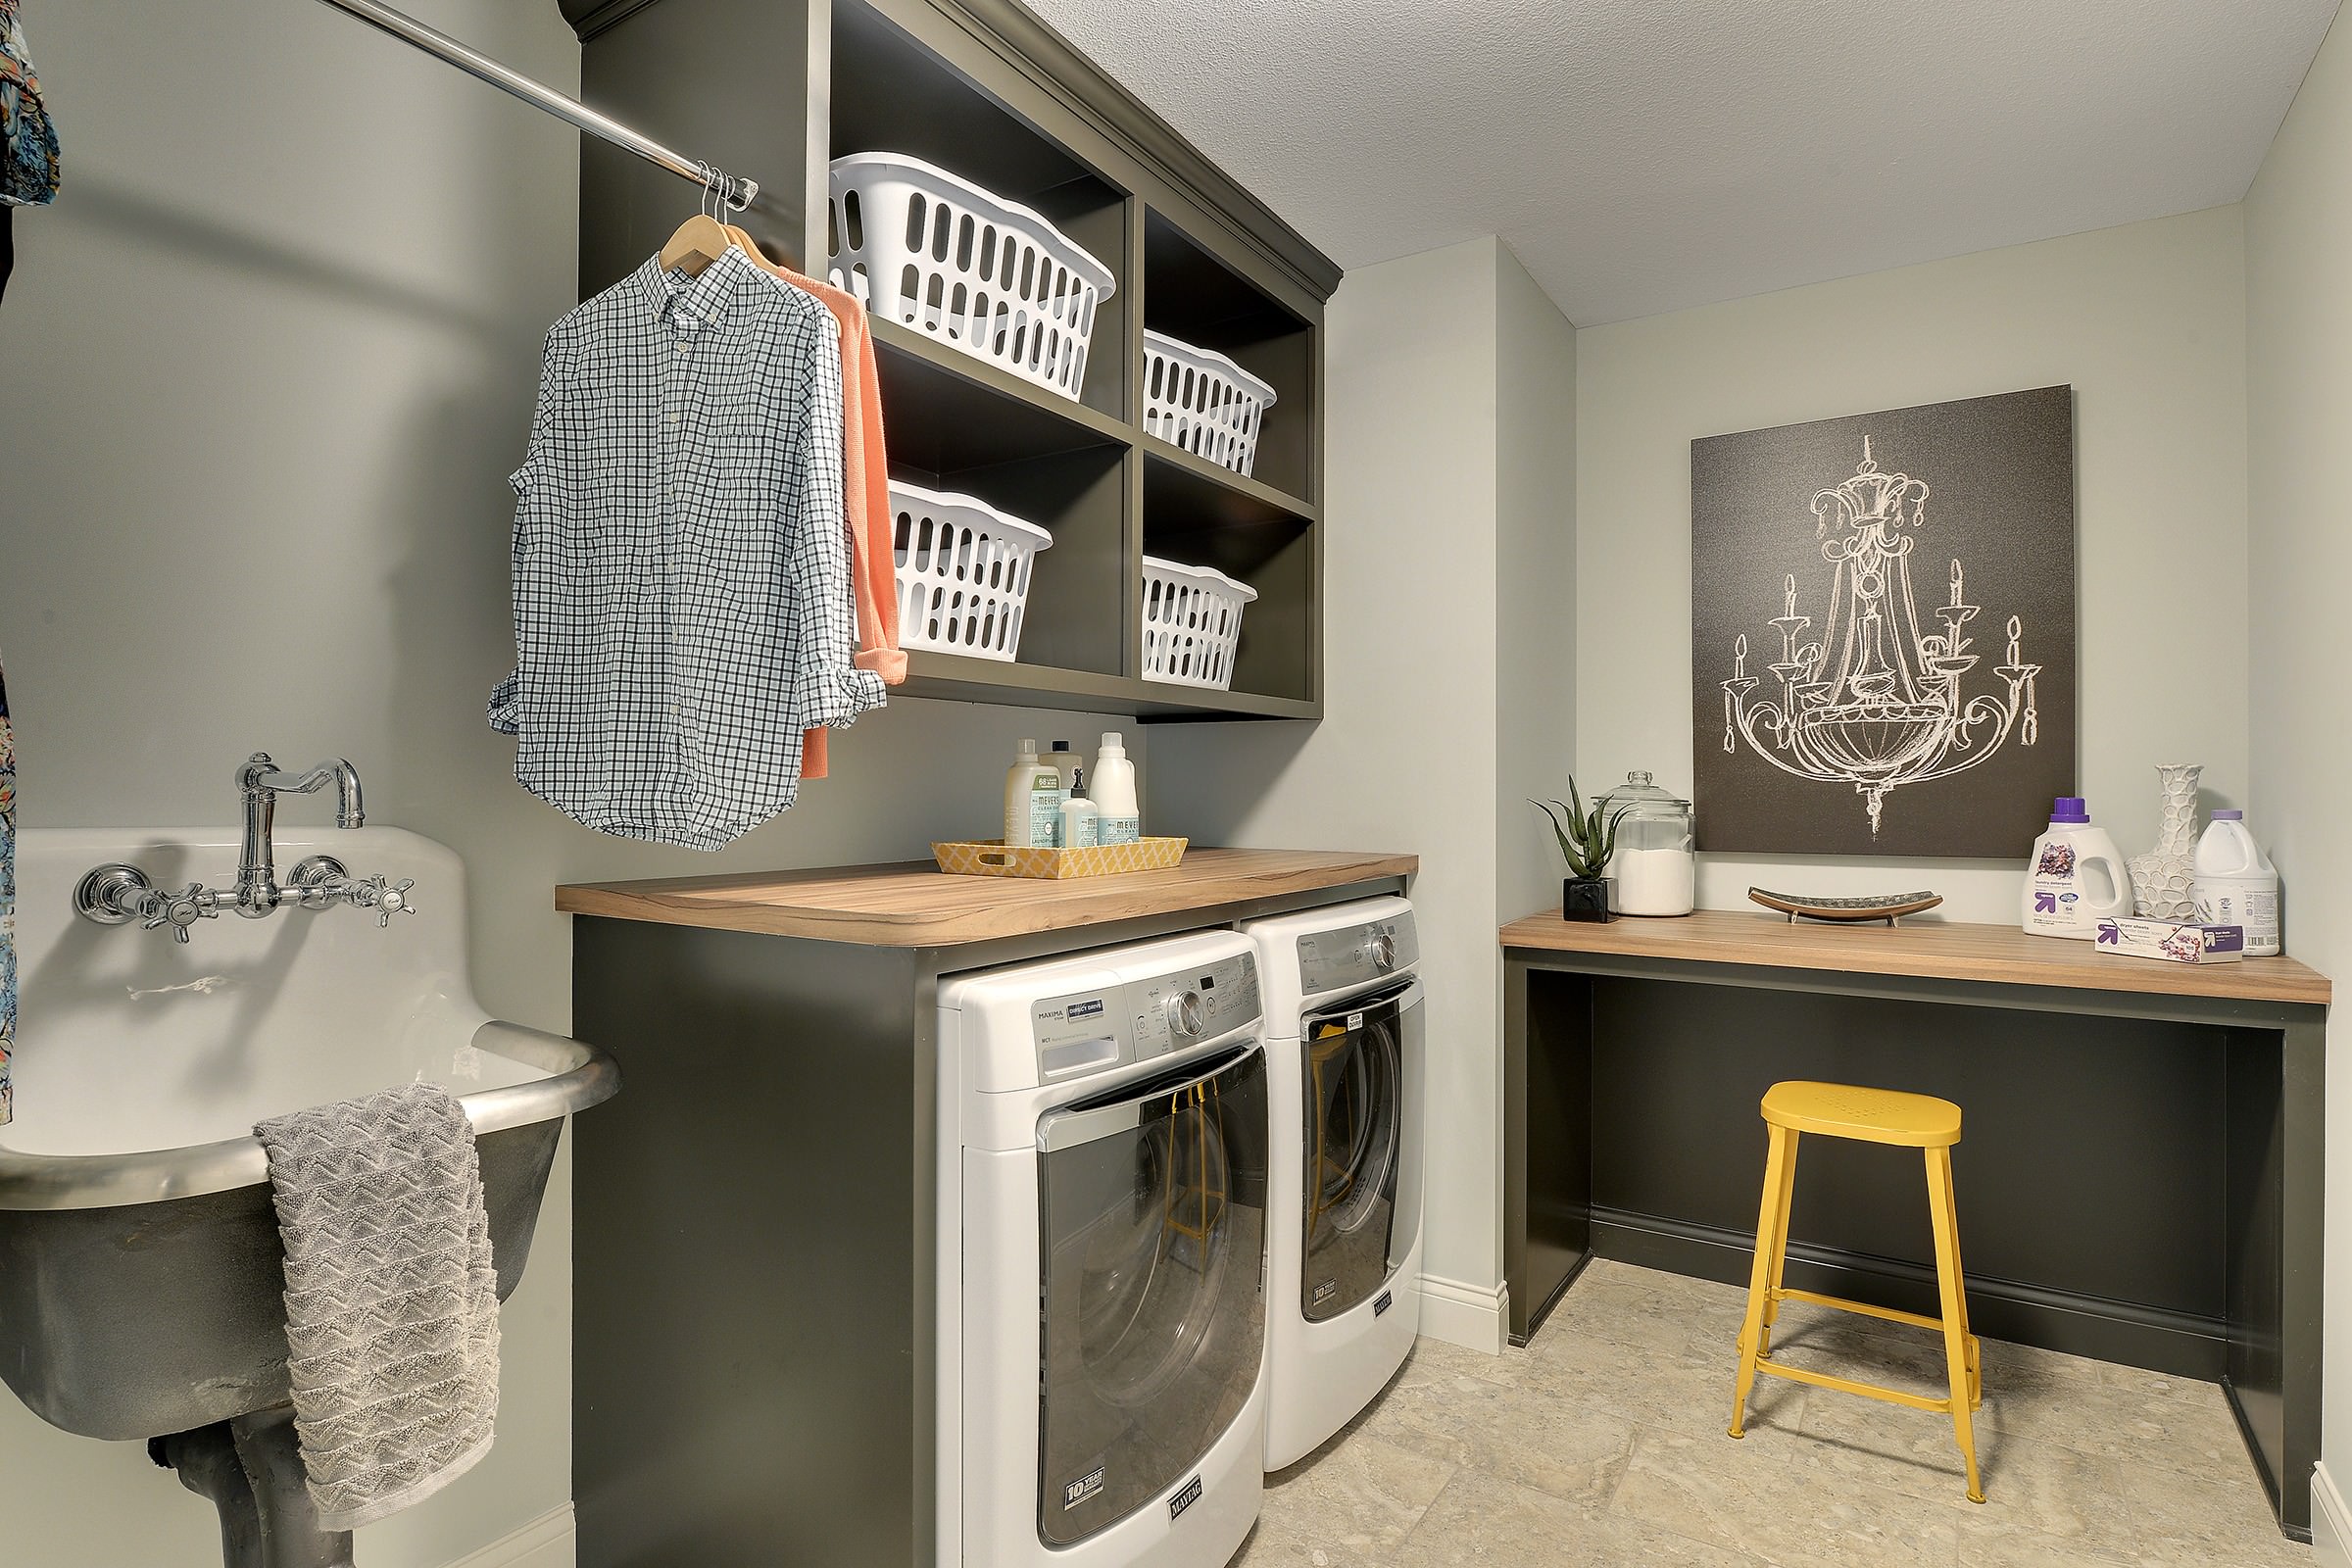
x=777, y=89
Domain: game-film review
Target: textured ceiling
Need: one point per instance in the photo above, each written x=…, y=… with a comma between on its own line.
x=1646, y=155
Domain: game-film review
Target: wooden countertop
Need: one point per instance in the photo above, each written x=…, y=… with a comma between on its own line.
x=915, y=906
x=1998, y=954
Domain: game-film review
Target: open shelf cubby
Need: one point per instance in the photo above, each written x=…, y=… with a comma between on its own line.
x=893, y=95
x=1075, y=618
x=1191, y=295
x=1196, y=515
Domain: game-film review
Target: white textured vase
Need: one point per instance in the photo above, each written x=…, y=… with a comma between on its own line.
x=2160, y=879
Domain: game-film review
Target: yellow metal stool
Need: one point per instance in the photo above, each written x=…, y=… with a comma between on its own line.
x=1876, y=1117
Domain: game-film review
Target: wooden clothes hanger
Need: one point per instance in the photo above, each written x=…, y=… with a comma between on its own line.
x=699, y=241
x=750, y=246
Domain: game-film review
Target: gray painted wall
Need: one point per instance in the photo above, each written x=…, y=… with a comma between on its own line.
x=1535, y=585
x=2300, y=404
x=268, y=363
x=2146, y=322
x=1434, y=704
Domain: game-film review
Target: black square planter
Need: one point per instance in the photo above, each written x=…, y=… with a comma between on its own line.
x=1586, y=898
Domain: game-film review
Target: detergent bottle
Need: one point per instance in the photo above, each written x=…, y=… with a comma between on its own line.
x=2235, y=883
x=2075, y=878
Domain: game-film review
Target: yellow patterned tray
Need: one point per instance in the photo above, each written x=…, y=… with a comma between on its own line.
x=990, y=858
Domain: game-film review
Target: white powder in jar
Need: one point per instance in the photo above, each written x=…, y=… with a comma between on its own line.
x=1653, y=881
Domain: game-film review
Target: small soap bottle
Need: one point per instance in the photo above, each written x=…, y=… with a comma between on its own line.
x=1081, y=822
x=1061, y=760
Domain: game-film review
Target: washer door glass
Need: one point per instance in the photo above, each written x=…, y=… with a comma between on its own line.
x=1151, y=1203
x=1359, y=1199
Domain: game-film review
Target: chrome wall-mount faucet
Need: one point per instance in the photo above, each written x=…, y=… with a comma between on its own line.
x=118, y=895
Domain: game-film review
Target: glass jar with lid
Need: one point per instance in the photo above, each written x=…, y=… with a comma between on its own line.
x=1652, y=871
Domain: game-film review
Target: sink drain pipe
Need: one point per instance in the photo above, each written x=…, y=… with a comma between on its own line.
x=251, y=1470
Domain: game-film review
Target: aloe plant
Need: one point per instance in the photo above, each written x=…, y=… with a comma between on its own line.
x=1587, y=840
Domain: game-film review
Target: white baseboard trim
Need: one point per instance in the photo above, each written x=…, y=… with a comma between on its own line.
x=551, y=1540
x=1476, y=1318
x=2330, y=1522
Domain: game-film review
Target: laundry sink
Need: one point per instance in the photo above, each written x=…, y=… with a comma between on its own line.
x=140, y=1270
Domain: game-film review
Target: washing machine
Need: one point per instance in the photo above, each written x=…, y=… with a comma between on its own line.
x=1346, y=1051
x=1102, y=1264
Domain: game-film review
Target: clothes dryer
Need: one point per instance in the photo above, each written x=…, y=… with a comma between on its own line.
x=1101, y=1262
x=1347, y=1061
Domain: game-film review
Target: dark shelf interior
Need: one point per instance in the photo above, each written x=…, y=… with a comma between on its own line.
x=1193, y=518
x=942, y=409
x=947, y=677
x=1185, y=491
x=955, y=678
x=1075, y=615
x=891, y=94
x=1191, y=296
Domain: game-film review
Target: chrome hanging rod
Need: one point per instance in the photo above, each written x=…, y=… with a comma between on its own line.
x=736, y=192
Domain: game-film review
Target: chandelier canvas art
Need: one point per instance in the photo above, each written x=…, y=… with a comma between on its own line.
x=1882, y=619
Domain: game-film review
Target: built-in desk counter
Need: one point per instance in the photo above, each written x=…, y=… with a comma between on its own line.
x=1930, y=949
x=2139, y=1176
x=756, y=1217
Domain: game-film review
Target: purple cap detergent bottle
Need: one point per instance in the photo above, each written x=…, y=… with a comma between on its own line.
x=2075, y=877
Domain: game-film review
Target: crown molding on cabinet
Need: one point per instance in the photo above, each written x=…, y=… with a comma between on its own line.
x=1042, y=55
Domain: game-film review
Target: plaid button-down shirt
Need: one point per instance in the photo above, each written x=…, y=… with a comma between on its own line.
x=682, y=598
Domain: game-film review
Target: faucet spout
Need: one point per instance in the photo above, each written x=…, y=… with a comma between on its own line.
x=261, y=781
x=260, y=774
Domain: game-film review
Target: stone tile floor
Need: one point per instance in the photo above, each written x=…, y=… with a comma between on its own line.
x=1603, y=1443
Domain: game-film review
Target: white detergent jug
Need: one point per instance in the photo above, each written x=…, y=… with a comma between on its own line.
x=2075, y=878
x=2235, y=884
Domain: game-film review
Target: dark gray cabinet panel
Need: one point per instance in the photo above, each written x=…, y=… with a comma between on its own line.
x=748, y=1328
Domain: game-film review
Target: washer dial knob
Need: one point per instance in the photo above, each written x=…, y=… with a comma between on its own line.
x=1382, y=950
x=1186, y=1015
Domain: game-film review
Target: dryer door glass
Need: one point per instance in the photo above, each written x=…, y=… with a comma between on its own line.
x=1362, y=1190
x=1151, y=1202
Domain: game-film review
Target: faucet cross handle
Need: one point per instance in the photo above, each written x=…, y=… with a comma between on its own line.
x=392, y=900
x=386, y=900
x=179, y=910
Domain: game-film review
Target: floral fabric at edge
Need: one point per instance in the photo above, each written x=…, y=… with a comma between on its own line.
x=28, y=152
x=8, y=899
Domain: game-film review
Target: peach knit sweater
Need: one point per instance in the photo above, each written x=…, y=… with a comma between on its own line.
x=866, y=491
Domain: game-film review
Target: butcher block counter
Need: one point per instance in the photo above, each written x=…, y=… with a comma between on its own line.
x=912, y=905
x=1934, y=949
x=756, y=1213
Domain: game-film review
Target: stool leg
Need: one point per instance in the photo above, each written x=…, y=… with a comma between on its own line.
x=1959, y=1361
x=1975, y=1351
x=1780, y=1243
x=1759, y=1283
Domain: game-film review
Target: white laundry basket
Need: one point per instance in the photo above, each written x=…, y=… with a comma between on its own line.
x=938, y=254
x=963, y=572
x=1202, y=402
x=1191, y=624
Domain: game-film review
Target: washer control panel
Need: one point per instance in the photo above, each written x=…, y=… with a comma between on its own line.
x=1091, y=1031
x=1170, y=1012
x=1333, y=961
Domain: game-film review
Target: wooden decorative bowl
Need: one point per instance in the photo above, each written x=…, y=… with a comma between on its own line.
x=1887, y=907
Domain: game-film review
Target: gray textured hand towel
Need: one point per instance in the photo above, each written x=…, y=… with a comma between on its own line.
x=391, y=1298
